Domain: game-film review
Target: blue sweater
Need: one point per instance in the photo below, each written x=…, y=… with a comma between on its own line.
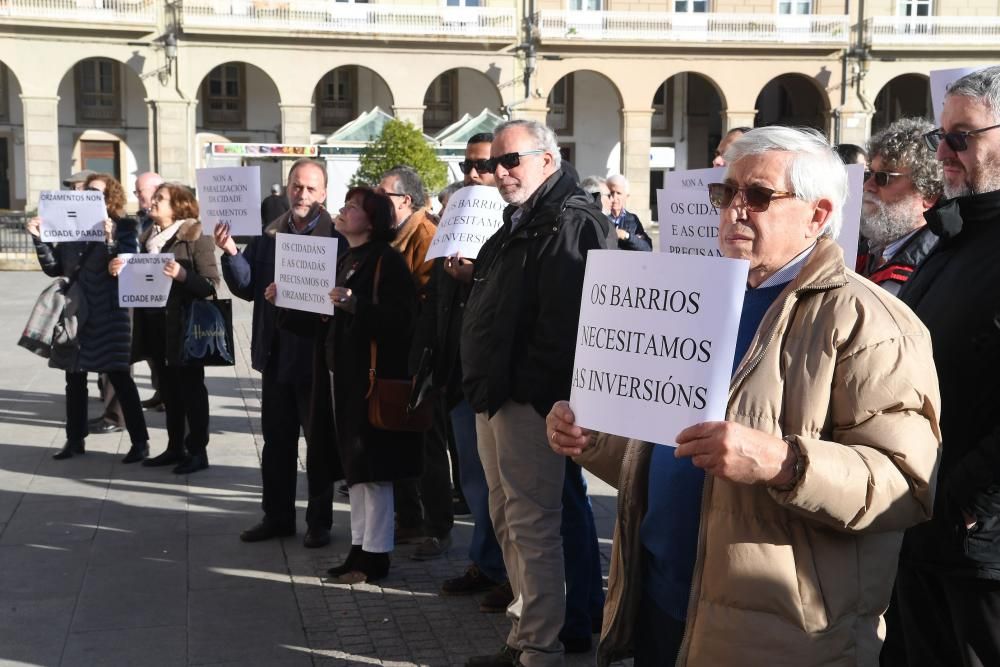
x=669, y=530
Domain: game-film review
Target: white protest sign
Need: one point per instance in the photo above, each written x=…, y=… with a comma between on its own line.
x=72, y=215
x=850, y=227
x=655, y=343
x=473, y=215
x=940, y=80
x=689, y=224
x=230, y=195
x=141, y=282
x=305, y=270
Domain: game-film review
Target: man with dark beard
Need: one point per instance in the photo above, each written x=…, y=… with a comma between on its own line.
x=904, y=181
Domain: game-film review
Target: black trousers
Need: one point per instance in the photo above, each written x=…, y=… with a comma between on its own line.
x=128, y=397
x=284, y=412
x=948, y=621
x=185, y=398
x=426, y=501
x=658, y=636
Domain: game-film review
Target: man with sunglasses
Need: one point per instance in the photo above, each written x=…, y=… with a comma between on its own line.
x=948, y=587
x=771, y=538
x=904, y=181
x=518, y=343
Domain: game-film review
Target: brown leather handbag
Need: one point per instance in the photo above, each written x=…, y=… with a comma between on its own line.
x=389, y=404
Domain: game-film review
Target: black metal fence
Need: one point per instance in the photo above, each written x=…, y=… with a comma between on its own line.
x=13, y=237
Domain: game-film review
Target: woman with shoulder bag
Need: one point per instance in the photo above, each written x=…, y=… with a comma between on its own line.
x=104, y=334
x=371, y=458
x=159, y=331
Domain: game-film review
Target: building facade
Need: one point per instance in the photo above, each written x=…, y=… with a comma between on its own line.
x=631, y=86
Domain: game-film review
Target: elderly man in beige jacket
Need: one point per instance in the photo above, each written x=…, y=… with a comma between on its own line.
x=828, y=451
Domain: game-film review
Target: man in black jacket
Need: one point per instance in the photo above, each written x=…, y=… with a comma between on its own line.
x=284, y=361
x=631, y=235
x=948, y=585
x=904, y=181
x=518, y=343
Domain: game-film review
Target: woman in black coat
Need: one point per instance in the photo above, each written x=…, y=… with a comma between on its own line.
x=104, y=334
x=370, y=459
x=159, y=331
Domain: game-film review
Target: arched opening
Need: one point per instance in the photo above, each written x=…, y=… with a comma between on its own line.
x=906, y=96
x=13, y=185
x=584, y=109
x=455, y=93
x=103, y=121
x=238, y=102
x=345, y=93
x=686, y=127
x=792, y=99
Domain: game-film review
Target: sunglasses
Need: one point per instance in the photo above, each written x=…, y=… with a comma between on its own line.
x=882, y=178
x=957, y=141
x=482, y=166
x=508, y=160
x=755, y=197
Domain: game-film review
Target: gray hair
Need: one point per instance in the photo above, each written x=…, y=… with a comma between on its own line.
x=902, y=145
x=592, y=184
x=815, y=171
x=410, y=183
x=543, y=136
x=450, y=189
x=984, y=84
x=619, y=178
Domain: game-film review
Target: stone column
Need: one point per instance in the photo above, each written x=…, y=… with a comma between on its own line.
x=175, y=132
x=413, y=115
x=41, y=146
x=733, y=119
x=296, y=128
x=637, y=127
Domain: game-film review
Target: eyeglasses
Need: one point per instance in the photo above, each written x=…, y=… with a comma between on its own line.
x=755, y=197
x=482, y=166
x=392, y=194
x=882, y=178
x=508, y=160
x=957, y=141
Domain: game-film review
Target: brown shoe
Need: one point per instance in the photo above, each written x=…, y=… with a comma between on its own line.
x=497, y=600
x=473, y=581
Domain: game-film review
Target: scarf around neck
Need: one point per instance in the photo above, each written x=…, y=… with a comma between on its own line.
x=160, y=237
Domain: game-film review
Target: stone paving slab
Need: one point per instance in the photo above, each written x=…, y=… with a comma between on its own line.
x=109, y=564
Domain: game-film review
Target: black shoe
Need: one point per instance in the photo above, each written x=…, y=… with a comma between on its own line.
x=139, y=451
x=368, y=568
x=104, y=427
x=506, y=657
x=170, y=457
x=152, y=403
x=460, y=507
x=316, y=538
x=497, y=600
x=69, y=450
x=266, y=530
x=473, y=581
x=351, y=562
x=193, y=463
x=343, y=491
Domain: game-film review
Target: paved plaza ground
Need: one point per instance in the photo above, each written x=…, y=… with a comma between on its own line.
x=109, y=564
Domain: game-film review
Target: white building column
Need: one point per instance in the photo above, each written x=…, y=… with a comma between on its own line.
x=41, y=146
x=637, y=128
x=174, y=135
x=414, y=115
x=733, y=119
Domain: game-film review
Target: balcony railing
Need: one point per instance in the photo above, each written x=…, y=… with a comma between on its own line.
x=713, y=28
x=933, y=31
x=108, y=12
x=339, y=17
